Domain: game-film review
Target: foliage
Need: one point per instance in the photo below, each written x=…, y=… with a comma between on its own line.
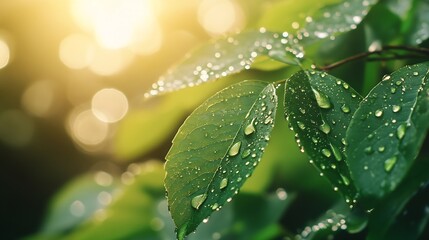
x=370, y=149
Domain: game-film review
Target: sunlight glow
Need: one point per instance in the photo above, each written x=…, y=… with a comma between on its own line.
x=220, y=16
x=109, y=105
x=115, y=23
x=38, y=98
x=4, y=53
x=76, y=51
x=88, y=130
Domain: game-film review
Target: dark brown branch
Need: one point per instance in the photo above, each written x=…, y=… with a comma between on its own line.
x=423, y=52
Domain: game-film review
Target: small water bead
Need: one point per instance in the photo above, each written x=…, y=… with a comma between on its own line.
x=235, y=149
x=325, y=128
x=245, y=153
x=336, y=152
x=300, y=125
x=396, y=108
x=223, y=183
x=346, y=181
x=345, y=86
x=378, y=113
x=381, y=149
x=398, y=83
x=400, y=131
x=368, y=150
x=415, y=73
x=268, y=120
x=215, y=206
x=326, y=152
x=250, y=128
x=345, y=109
x=390, y=163
x=198, y=200
x=314, y=140
x=392, y=90
x=321, y=99
x=386, y=77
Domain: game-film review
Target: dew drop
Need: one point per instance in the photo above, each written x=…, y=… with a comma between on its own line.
x=392, y=90
x=223, y=183
x=390, y=163
x=345, y=85
x=326, y=152
x=400, y=131
x=368, y=150
x=300, y=125
x=198, y=200
x=381, y=149
x=378, y=113
x=245, y=153
x=250, y=128
x=415, y=73
x=396, y=108
x=345, y=109
x=325, y=128
x=346, y=181
x=215, y=206
x=337, y=153
x=322, y=99
x=234, y=149
x=268, y=120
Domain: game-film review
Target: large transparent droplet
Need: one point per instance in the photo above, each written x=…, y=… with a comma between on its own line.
x=322, y=100
x=198, y=200
x=390, y=163
x=235, y=149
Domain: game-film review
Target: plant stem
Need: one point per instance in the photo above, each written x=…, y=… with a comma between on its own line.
x=422, y=52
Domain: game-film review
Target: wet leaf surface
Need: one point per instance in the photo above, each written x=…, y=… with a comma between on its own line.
x=216, y=150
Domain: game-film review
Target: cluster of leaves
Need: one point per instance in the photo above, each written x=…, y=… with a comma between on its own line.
x=368, y=148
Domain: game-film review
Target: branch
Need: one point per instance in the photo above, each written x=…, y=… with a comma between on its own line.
x=421, y=52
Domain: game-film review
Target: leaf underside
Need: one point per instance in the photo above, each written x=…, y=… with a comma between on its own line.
x=319, y=108
x=226, y=56
x=387, y=131
x=216, y=150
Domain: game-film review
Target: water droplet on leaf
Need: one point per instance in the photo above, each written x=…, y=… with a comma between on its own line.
x=223, y=183
x=234, y=149
x=322, y=100
x=198, y=200
x=378, y=113
x=326, y=152
x=390, y=163
x=400, y=131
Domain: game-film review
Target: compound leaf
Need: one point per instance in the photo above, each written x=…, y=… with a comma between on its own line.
x=216, y=150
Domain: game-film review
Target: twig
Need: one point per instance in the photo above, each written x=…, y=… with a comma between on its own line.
x=386, y=49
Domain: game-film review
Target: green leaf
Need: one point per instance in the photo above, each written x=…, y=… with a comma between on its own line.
x=235, y=221
x=420, y=27
x=280, y=15
x=226, y=56
x=399, y=7
x=413, y=219
x=216, y=150
x=336, y=18
x=328, y=223
x=387, y=131
x=406, y=198
x=132, y=214
x=77, y=201
x=319, y=108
